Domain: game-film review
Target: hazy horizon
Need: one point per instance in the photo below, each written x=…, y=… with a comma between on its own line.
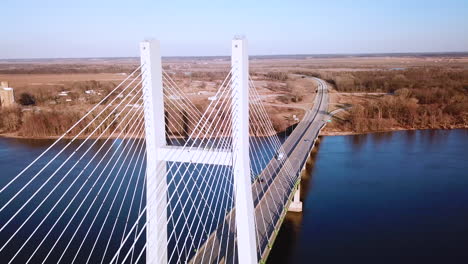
x=260, y=56
x=87, y=29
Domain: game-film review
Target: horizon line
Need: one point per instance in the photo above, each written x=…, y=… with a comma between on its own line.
x=363, y=54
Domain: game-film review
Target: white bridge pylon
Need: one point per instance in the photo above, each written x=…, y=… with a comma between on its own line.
x=148, y=176
x=158, y=152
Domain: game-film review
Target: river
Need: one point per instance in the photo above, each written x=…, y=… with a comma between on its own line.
x=397, y=197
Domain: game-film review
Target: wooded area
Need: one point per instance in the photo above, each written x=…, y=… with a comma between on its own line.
x=416, y=98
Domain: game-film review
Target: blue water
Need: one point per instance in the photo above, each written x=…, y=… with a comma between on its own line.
x=399, y=197
x=90, y=196
x=60, y=195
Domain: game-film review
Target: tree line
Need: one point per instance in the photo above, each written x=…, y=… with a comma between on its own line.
x=415, y=98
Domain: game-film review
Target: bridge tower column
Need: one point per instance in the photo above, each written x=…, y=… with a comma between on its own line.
x=245, y=217
x=155, y=129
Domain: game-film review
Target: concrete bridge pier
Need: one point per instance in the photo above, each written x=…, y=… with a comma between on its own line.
x=296, y=204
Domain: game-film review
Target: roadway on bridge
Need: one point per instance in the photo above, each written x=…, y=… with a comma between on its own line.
x=275, y=186
x=275, y=195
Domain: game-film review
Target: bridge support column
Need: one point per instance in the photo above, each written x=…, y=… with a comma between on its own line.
x=245, y=217
x=296, y=204
x=155, y=129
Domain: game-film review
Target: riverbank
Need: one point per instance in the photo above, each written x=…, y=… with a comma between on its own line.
x=324, y=132
x=114, y=136
x=396, y=129
x=11, y=135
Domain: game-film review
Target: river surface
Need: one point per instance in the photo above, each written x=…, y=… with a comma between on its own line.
x=398, y=197
x=76, y=204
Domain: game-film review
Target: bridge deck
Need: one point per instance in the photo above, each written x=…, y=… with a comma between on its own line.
x=277, y=194
x=274, y=187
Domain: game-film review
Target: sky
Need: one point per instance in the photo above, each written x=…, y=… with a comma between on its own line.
x=104, y=28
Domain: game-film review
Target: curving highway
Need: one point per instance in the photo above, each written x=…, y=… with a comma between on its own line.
x=276, y=195
x=275, y=186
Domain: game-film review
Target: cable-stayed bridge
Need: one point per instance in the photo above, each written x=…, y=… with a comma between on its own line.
x=146, y=176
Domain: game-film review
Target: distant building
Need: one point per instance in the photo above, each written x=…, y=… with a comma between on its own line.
x=7, y=97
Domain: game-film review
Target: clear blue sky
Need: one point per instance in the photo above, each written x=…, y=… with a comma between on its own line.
x=103, y=28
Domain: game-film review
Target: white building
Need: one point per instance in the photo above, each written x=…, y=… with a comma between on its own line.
x=7, y=97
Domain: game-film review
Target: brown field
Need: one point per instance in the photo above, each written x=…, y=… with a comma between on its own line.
x=41, y=80
x=370, y=88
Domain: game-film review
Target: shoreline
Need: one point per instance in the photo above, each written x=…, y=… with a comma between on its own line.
x=322, y=133
x=13, y=136
x=352, y=133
